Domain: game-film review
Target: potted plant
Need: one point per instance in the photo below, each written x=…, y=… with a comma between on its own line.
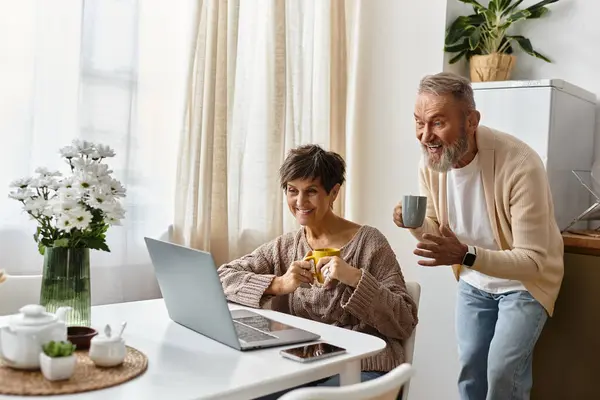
x=482, y=37
x=73, y=214
x=57, y=360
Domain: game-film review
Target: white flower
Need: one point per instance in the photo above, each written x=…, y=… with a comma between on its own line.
x=65, y=223
x=84, y=182
x=21, y=194
x=36, y=205
x=113, y=221
x=20, y=183
x=68, y=193
x=115, y=215
x=67, y=183
x=82, y=164
x=100, y=200
x=80, y=218
x=104, y=151
x=83, y=146
x=48, y=212
x=69, y=152
x=116, y=188
x=45, y=172
x=66, y=207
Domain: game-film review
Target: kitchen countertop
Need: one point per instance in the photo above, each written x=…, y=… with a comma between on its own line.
x=581, y=244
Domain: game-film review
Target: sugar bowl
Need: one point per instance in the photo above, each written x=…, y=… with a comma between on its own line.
x=108, y=350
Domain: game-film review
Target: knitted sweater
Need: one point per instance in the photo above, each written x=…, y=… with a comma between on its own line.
x=379, y=305
x=521, y=212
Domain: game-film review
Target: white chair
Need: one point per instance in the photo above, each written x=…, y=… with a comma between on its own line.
x=414, y=291
x=19, y=290
x=382, y=388
x=385, y=387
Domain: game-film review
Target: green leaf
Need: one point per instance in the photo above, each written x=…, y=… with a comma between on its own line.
x=457, y=57
x=464, y=45
x=96, y=243
x=541, y=57
x=538, y=13
x=475, y=4
x=460, y=28
x=41, y=248
x=541, y=4
x=502, y=4
x=511, y=8
x=493, y=6
x=526, y=46
x=61, y=242
x=474, y=38
x=519, y=15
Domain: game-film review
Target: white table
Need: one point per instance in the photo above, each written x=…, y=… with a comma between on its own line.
x=183, y=364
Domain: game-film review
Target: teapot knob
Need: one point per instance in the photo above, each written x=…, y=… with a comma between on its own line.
x=32, y=310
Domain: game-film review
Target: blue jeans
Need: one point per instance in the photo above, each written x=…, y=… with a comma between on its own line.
x=331, y=381
x=496, y=334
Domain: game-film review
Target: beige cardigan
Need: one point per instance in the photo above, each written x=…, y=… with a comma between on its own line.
x=521, y=212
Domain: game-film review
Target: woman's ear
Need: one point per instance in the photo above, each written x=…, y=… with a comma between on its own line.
x=334, y=192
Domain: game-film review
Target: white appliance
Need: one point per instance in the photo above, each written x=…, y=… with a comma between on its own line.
x=557, y=120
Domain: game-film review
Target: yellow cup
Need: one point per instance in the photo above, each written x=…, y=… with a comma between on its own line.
x=317, y=255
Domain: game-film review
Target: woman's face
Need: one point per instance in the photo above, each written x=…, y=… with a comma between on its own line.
x=308, y=201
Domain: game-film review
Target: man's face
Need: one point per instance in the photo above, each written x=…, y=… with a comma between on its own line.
x=441, y=129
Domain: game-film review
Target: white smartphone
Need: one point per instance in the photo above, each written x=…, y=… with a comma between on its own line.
x=312, y=352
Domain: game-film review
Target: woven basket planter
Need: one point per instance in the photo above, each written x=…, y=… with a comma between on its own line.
x=491, y=67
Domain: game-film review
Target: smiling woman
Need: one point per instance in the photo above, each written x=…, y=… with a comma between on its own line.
x=364, y=289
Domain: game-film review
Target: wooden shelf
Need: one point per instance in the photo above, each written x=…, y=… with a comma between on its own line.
x=581, y=244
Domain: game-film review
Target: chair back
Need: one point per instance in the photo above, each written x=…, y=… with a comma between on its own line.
x=385, y=387
x=19, y=290
x=414, y=291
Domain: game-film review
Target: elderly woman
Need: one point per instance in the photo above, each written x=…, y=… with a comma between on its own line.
x=364, y=288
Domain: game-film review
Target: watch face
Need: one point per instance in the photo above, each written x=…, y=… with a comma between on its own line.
x=469, y=259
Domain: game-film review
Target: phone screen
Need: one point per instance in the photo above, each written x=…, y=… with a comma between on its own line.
x=316, y=350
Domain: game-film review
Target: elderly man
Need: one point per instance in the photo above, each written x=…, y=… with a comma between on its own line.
x=490, y=216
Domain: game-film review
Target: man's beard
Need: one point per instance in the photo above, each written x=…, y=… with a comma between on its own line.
x=450, y=156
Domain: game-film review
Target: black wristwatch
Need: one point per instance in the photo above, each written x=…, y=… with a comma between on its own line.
x=470, y=256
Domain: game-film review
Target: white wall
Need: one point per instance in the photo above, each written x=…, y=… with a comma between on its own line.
x=569, y=35
x=400, y=41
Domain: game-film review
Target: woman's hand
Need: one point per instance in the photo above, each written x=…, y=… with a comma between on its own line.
x=335, y=268
x=299, y=272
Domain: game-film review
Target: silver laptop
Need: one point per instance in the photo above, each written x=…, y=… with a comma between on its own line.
x=194, y=297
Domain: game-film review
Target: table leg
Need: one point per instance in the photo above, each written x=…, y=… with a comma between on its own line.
x=350, y=374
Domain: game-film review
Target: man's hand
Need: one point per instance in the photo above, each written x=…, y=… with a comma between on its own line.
x=335, y=268
x=298, y=273
x=398, y=215
x=445, y=249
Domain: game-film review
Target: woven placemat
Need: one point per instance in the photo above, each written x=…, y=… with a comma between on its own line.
x=85, y=378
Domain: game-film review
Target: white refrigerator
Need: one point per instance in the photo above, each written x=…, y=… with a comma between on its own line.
x=555, y=118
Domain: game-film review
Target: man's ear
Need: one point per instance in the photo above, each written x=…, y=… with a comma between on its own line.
x=473, y=120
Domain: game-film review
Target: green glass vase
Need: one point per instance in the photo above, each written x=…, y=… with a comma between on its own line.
x=66, y=282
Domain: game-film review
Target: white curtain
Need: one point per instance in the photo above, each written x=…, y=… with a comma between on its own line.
x=108, y=71
x=277, y=72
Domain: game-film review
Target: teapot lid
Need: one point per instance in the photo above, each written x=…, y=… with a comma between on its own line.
x=32, y=315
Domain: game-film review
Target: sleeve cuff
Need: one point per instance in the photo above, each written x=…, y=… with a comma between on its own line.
x=251, y=292
x=362, y=296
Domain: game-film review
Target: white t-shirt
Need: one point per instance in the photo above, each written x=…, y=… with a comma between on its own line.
x=469, y=220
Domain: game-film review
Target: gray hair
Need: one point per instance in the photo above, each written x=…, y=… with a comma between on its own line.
x=449, y=83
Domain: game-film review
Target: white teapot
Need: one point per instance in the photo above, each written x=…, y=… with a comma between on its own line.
x=21, y=341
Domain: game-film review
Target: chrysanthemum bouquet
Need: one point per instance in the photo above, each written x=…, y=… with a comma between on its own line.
x=73, y=211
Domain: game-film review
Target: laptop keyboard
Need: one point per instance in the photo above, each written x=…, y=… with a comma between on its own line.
x=248, y=334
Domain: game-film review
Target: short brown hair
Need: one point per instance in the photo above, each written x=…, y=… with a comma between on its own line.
x=311, y=162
